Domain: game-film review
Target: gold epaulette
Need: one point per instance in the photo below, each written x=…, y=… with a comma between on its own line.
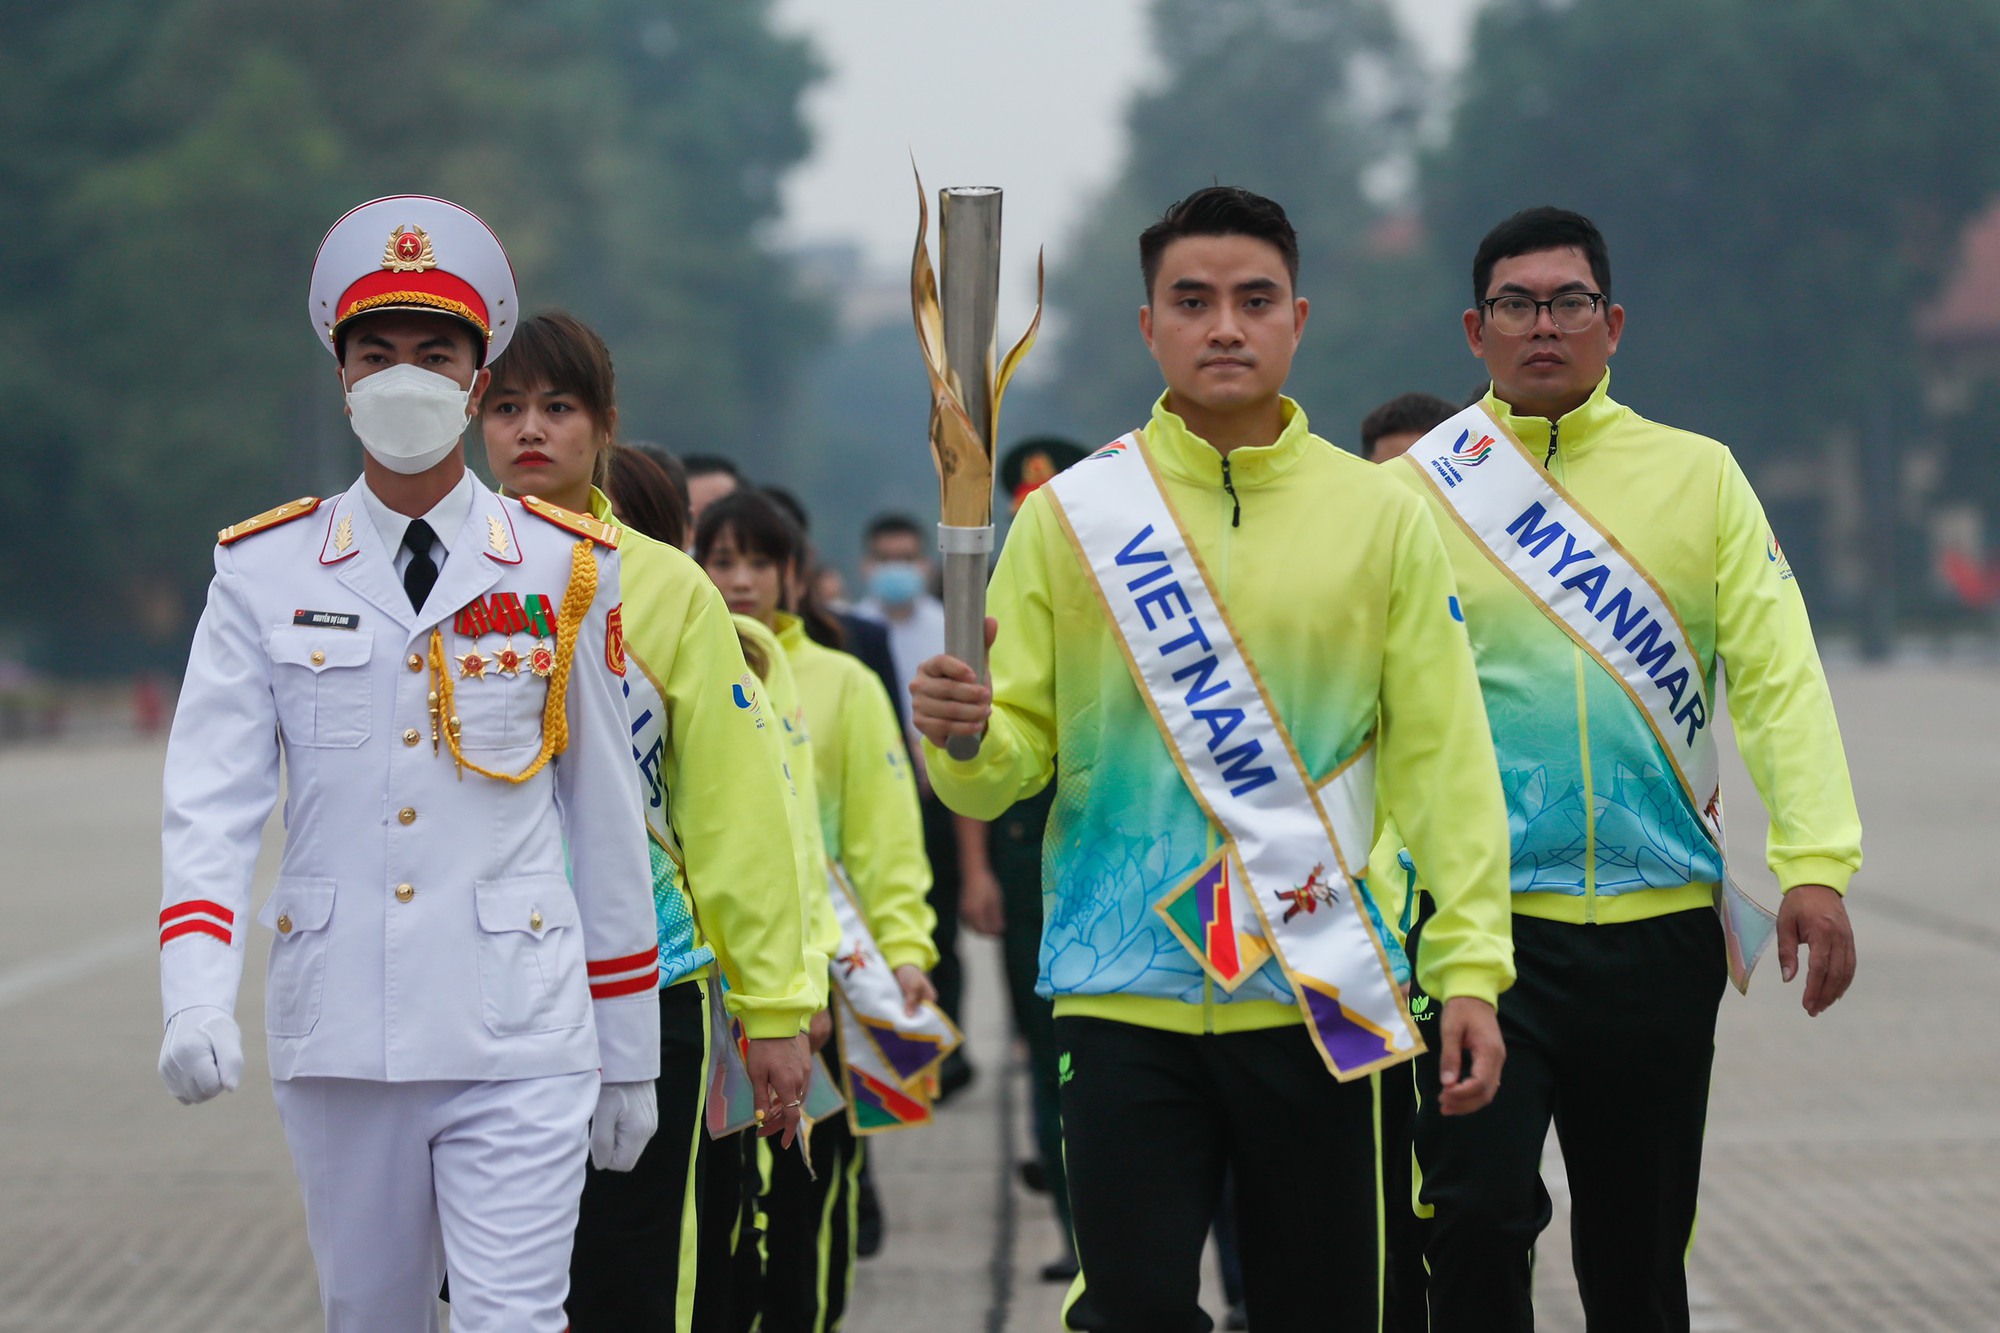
x=583, y=525
x=270, y=518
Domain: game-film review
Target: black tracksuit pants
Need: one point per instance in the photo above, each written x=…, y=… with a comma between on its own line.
x=629, y=1263
x=1405, y=1306
x=1610, y=1033
x=1150, y=1121
x=809, y=1230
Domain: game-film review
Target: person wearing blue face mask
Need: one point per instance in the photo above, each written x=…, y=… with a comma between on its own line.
x=896, y=576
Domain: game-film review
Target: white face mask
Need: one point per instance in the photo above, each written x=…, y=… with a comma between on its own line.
x=407, y=417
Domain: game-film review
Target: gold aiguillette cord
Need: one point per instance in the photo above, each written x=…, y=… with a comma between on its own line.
x=555, y=711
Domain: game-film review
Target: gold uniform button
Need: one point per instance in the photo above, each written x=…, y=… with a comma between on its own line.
x=407, y=814
x=284, y=925
x=318, y=658
x=405, y=892
x=415, y=663
x=411, y=737
x=534, y=921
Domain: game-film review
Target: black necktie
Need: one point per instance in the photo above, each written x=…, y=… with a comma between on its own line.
x=422, y=574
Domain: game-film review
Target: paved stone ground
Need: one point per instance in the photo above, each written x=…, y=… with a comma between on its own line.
x=1852, y=1178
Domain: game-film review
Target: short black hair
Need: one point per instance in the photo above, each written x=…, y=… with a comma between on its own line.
x=890, y=525
x=794, y=508
x=1417, y=412
x=709, y=465
x=1219, y=210
x=1533, y=230
x=757, y=525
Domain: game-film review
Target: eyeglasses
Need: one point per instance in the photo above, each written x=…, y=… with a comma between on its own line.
x=1571, y=312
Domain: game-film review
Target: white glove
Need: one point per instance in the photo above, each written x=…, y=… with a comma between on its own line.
x=627, y=1115
x=202, y=1054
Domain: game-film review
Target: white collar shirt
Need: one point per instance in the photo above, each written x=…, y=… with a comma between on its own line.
x=446, y=517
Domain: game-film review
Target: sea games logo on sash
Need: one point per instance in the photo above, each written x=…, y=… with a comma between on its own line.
x=1466, y=453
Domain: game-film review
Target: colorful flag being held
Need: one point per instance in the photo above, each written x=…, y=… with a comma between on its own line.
x=731, y=1104
x=907, y=1047
x=876, y=1099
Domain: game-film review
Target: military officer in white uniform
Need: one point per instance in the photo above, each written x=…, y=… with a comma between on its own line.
x=461, y=989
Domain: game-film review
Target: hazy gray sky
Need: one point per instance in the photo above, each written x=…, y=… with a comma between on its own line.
x=1025, y=94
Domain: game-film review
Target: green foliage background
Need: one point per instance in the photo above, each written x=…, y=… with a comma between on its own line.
x=1782, y=186
x=170, y=166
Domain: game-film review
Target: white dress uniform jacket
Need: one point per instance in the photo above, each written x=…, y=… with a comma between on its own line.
x=426, y=925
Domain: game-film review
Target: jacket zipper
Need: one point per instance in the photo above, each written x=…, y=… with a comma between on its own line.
x=1582, y=742
x=1236, y=513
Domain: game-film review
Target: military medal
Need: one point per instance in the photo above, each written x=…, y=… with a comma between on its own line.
x=508, y=660
x=473, y=665
x=542, y=660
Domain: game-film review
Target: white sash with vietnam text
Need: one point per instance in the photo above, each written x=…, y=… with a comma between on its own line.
x=1294, y=873
x=1582, y=579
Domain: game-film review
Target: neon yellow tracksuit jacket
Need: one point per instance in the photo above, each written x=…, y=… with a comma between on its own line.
x=868, y=814
x=1600, y=829
x=1338, y=587
x=781, y=694
x=729, y=886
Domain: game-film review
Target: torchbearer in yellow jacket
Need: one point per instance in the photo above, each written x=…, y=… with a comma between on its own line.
x=1237, y=640
x=455, y=1015
x=1607, y=567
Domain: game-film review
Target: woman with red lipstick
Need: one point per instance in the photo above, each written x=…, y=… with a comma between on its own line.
x=549, y=424
x=871, y=827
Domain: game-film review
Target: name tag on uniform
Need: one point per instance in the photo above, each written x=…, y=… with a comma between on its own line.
x=327, y=619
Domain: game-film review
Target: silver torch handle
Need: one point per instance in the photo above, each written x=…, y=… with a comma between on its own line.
x=969, y=294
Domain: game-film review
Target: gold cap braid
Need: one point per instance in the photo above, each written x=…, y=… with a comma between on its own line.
x=555, y=711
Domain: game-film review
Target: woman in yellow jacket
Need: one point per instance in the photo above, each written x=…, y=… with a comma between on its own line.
x=729, y=1266
x=727, y=884
x=871, y=826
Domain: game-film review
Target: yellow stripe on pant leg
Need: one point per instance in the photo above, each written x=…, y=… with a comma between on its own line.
x=690, y=1252
x=844, y=1194
x=1076, y=1287
x=1381, y=1206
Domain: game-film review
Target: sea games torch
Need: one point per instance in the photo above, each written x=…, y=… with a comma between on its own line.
x=956, y=326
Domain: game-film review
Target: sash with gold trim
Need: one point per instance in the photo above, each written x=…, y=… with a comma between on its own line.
x=1286, y=882
x=1578, y=575
x=887, y=1057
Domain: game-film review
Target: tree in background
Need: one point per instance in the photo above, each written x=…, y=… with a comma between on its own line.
x=1294, y=99
x=169, y=167
x=1782, y=186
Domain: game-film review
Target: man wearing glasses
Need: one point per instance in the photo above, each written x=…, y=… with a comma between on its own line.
x=1598, y=718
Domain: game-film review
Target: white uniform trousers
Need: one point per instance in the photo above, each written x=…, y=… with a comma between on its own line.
x=405, y=1182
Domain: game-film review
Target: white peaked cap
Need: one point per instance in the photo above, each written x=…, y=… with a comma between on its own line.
x=414, y=252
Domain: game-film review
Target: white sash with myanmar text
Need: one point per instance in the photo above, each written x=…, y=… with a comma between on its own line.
x=1582, y=579
x=1290, y=868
